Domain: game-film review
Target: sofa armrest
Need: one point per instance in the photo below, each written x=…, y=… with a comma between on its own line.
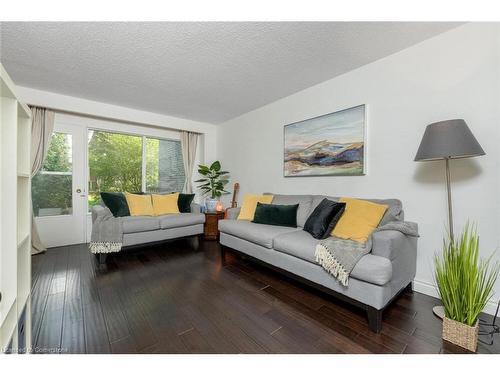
x=390, y=243
x=98, y=210
x=195, y=208
x=232, y=213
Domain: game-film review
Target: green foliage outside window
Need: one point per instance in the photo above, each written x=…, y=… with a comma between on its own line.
x=115, y=163
x=52, y=186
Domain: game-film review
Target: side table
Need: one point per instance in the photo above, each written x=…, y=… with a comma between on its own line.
x=211, y=228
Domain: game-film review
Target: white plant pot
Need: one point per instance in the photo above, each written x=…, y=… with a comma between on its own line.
x=211, y=204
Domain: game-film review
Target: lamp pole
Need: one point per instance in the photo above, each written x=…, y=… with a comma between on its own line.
x=448, y=191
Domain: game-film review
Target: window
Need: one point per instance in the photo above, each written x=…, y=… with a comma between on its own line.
x=52, y=185
x=164, y=166
x=116, y=164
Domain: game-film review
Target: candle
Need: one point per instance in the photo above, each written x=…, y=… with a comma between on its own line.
x=219, y=207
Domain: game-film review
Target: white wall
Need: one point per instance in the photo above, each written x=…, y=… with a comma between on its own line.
x=453, y=75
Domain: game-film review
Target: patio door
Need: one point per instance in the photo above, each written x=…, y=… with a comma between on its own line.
x=59, y=191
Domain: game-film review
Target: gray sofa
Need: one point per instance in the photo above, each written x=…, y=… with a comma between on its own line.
x=140, y=230
x=375, y=280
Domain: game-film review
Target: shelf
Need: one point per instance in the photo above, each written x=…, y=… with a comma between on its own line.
x=23, y=145
x=15, y=208
x=23, y=273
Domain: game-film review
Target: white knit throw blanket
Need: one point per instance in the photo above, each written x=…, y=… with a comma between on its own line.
x=107, y=234
x=338, y=257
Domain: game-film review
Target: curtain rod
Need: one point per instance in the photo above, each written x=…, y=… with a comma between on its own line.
x=97, y=117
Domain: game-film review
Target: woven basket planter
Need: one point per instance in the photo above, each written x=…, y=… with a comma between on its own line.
x=460, y=334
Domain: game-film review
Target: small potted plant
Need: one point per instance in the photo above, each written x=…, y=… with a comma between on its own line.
x=212, y=184
x=465, y=284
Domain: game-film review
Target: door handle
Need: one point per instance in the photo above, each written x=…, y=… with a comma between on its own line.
x=78, y=191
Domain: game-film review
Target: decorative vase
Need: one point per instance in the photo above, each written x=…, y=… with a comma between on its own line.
x=460, y=334
x=211, y=204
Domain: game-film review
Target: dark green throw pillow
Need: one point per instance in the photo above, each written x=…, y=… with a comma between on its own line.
x=184, y=202
x=276, y=214
x=117, y=203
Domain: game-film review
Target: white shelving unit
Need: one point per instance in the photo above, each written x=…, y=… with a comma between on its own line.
x=15, y=217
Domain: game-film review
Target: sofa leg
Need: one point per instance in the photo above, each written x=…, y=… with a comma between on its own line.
x=409, y=288
x=102, y=258
x=374, y=319
x=195, y=241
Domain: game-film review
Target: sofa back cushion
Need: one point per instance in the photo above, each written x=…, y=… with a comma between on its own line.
x=394, y=210
x=304, y=202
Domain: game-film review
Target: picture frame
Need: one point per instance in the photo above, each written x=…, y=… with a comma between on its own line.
x=333, y=144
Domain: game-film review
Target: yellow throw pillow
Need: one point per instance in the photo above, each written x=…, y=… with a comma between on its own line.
x=359, y=220
x=139, y=205
x=165, y=204
x=249, y=205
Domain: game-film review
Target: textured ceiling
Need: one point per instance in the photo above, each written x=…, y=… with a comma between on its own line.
x=209, y=72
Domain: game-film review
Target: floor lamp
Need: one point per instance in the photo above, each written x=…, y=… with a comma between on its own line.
x=446, y=140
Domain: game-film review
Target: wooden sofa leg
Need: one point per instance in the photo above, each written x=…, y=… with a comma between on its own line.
x=374, y=319
x=102, y=258
x=409, y=288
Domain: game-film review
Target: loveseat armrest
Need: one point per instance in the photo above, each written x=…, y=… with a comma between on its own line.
x=232, y=213
x=195, y=208
x=97, y=211
x=390, y=243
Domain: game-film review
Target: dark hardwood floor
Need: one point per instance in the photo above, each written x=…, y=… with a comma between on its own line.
x=178, y=298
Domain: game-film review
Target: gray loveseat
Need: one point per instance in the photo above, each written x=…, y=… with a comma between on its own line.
x=373, y=283
x=141, y=230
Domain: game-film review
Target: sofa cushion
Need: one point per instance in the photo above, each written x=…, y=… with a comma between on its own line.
x=300, y=244
x=260, y=234
x=180, y=220
x=276, y=214
x=360, y=219
x=116, y=203
x=323, y=218
x=165, y=204
x=184, y=202
x=304, y=202
x=139, y=204
x=134, y=224
x=247, y=210
x=395, y=206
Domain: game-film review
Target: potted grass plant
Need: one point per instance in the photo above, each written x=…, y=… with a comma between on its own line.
x=212, y=184
x=465, y=284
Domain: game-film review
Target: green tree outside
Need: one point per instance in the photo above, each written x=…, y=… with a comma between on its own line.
x=51, y=187
x=115, y=163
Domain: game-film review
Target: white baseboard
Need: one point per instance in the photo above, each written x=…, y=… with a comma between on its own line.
x=430, y=289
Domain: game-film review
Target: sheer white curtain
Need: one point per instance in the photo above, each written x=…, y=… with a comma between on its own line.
x=41, y=131
x=189, y=142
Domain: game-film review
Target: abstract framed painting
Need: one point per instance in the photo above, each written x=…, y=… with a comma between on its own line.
x=328, y=145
